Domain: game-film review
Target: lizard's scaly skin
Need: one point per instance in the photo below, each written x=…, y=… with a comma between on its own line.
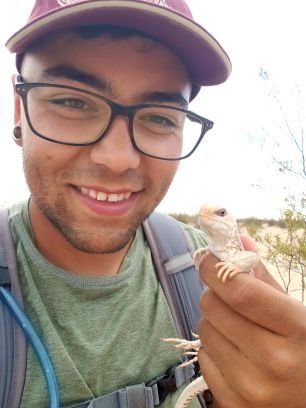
x=224, y=242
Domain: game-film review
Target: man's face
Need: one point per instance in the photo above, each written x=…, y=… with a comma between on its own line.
x=65, y=181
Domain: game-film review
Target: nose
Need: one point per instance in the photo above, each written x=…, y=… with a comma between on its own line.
x=115, y=150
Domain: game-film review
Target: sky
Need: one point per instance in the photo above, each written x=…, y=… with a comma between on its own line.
x=233, y=165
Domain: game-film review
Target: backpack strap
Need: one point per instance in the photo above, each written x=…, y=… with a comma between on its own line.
x=17, y=328
x=12, y=340
x=176, y=271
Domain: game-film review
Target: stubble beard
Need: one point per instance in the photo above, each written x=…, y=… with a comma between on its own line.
x=105, y=238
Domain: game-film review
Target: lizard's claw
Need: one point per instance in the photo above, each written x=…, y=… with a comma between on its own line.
x=184, y=344
x=193, y=360
x=197, y=255
x=227, y=270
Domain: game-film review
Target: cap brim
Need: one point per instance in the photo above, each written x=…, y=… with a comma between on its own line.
x=206, y=60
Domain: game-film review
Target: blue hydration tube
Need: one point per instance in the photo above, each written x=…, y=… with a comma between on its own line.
x=36, y=343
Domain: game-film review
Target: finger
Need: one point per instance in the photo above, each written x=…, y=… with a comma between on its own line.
x=220, y=349
x=248, y=243
x=246, y=382
x=254, y=299
x=228, y=373
x=235, y=382
x=221, y=391
x=253, y=341
x=260, y=271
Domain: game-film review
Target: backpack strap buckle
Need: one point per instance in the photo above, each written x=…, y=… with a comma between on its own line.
x=171, y=380
x=165, y=384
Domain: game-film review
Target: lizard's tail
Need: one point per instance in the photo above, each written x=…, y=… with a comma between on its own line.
x=194, y=388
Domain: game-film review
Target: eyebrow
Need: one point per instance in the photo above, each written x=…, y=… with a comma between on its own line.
x=66, y=71
x=163, y=97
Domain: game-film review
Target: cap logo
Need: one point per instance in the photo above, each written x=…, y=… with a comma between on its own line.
x=159, y=2
x=63, y=3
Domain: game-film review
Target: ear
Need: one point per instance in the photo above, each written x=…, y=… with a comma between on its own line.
x=17, y=103
x=17, y=110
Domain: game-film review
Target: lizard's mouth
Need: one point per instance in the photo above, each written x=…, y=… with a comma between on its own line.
x=207, y=217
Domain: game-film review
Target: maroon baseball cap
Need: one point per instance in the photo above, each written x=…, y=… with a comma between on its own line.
x=168, y=21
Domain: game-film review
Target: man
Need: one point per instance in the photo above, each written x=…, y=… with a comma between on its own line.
x=101, y=105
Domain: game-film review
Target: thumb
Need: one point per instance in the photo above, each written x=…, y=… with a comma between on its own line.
x=260, y=270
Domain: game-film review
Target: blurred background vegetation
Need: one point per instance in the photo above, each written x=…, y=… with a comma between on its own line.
x=281, y=243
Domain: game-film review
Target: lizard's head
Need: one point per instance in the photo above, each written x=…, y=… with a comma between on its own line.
x=216, y=221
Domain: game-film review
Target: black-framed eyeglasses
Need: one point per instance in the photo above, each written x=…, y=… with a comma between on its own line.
x=72, y=116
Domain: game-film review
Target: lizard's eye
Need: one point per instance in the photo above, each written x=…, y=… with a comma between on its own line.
x=221, y=212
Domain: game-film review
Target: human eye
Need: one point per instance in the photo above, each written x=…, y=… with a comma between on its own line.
x=69, y=103
x=73, y=101
x=160, y=119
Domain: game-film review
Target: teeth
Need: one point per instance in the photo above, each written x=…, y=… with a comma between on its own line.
x=113, y=198
x=101, y=196
x=92, y=194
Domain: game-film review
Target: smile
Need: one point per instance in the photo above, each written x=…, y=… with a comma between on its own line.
x=102, y=196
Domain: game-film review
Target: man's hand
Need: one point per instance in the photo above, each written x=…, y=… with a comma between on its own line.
x=254, y=340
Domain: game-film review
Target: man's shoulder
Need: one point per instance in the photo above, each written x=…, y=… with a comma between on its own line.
x=167, y=232
x=15, y=210
x=18, y=218
x=195, y=236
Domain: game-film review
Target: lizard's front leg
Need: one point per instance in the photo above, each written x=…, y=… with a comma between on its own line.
x=243, y=261
x=227, y=270
x=197, y=255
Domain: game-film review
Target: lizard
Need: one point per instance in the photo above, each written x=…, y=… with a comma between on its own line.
x=224, y=242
